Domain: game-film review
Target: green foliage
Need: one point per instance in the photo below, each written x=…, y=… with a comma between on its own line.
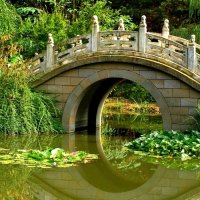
x=107, y=17
x=9, y=19
x=186, y=32
x=27, y=11
x=22, y=110
x=33, y=34
x=194, y=9
x=132, y=91
x=168, y=143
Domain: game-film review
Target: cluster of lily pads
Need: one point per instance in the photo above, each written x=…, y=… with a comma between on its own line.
x=174, y=144
x=45, y=159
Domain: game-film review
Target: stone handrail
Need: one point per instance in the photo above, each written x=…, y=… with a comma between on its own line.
x=166, y=48
x=169, y=47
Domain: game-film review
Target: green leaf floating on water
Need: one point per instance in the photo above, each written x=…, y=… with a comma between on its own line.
x=45, y=159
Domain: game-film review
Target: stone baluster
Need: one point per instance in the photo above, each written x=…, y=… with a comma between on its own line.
x=191, y=54
x=121, y=25
x=95, y=31
x=165, y=29
x=142, y=34
x=50, y=52
x=165, y=32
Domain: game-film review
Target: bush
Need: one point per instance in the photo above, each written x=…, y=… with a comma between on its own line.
x=33, y=34
x=22, y=110
x=132, y=91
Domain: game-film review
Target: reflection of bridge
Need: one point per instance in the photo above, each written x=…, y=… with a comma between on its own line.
x=81, y=71
x=95, y=181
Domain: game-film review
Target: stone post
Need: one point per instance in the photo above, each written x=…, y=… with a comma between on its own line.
x=165, y=29
x=191, y=54
x=142, y=34
x=95, y=31
x=165, y=32
x=50, y=52
x=121, y=25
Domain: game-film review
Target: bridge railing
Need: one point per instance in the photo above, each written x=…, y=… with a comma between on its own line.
x=118, y=40
x=74, y=46
x=166, y=48
x=178, y=50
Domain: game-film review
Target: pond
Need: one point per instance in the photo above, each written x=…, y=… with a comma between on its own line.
x=112, y=176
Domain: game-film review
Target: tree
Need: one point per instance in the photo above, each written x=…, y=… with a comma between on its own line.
x=9, y=18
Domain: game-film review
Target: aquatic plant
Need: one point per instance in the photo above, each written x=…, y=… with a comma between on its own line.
x=168, y=144
x=44, y=158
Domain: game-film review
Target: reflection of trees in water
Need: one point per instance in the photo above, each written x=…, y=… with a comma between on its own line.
x=125, y=164
x=14, y=182
x=14, y=177
x=117, y=123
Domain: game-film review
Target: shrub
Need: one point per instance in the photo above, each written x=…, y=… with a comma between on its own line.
x=22, y=110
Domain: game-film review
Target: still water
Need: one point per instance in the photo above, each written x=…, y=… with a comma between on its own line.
x=110, y=177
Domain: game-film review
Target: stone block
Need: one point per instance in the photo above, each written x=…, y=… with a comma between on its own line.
x=189, y=102
x=67, y=89
x=167, y=92
x=172, y=84
x=179, y=119
x=75, y=80
x=50, y=82
x=161, y=75
x=181, y=92
x=56, y=89
x=194, y=94
x=70, y=73
x=85, y=72
x=184, y=85
x=61, y=98
x=173, y=102
x=179, y=110
x=104, y=74
x=42, y=88
x=62, y=81
x=148, y=74
x=158, y=83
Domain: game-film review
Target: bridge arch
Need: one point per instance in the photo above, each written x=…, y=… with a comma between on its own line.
x=84, y=105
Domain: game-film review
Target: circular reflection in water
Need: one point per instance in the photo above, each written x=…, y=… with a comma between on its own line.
x=114, y=171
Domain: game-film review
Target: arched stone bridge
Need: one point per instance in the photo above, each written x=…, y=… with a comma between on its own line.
x=80, y=72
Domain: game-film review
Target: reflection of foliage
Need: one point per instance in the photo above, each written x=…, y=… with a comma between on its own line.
x=127, y=118
x=168, y=143
x=130, y=167
x=13, y=182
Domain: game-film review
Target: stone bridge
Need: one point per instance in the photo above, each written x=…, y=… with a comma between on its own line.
x=81, y=71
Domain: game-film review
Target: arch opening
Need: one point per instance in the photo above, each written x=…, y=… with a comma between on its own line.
x=84, y=106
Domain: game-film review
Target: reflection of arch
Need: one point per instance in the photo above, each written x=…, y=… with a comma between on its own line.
x=70, y=184
x=88, y=97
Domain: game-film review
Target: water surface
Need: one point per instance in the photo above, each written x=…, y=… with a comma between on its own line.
x=113, y=176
